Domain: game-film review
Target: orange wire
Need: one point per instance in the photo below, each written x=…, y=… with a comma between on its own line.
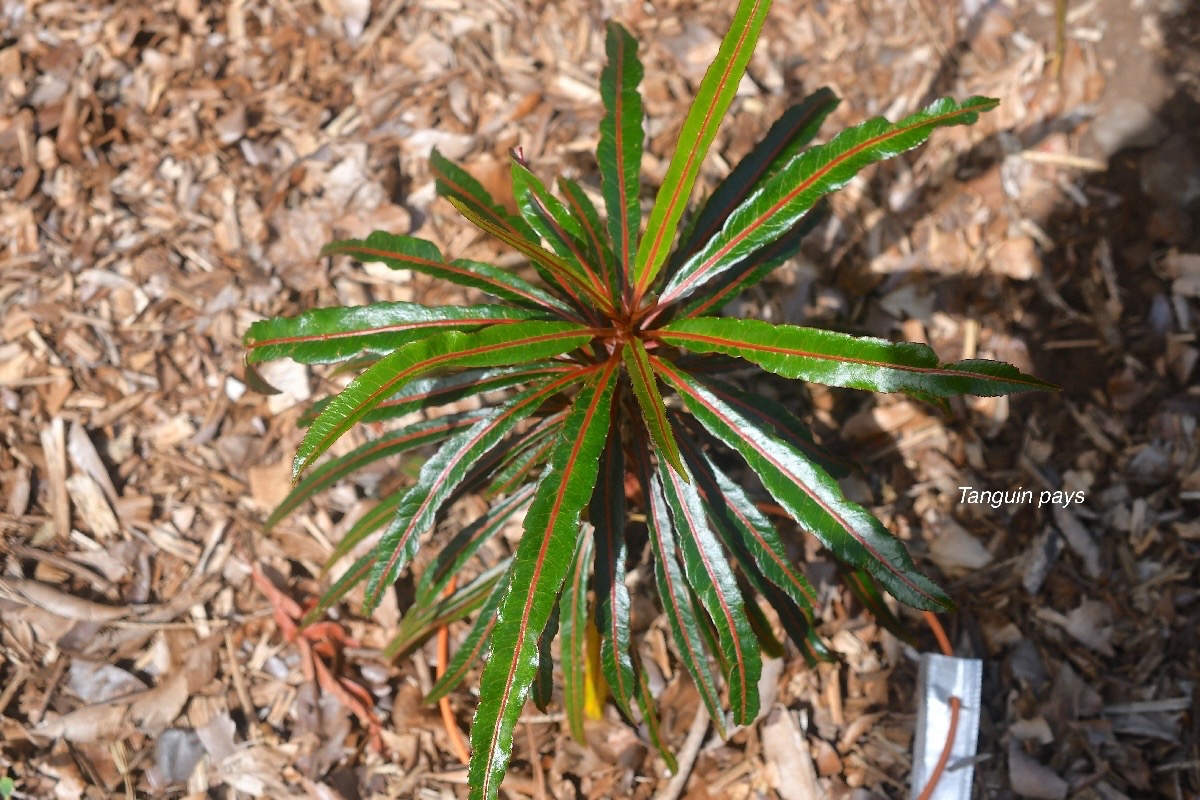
x=943, y=641
x=443, y=657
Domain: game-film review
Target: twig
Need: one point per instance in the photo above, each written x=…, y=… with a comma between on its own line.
x=687, y=756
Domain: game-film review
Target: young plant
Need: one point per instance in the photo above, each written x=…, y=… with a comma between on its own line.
x=612, y=404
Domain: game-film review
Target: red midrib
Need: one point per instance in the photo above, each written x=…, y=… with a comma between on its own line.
x=440, y=323
x=438, y=265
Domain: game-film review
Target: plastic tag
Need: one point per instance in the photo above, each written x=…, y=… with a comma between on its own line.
x=943, y=677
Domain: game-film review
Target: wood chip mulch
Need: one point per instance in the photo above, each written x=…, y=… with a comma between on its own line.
x=168, y=174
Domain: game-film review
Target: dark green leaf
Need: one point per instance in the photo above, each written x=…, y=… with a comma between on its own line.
x=811, y=497
x=599, y=250
x=619, y=152
x=543, y=682
x=421, y=621
x=863, y=587
x=770, y=646
x=367, y=524
x=838, y=359
x=574, y=651
x=777, y=205
x=709, y=575
x=455, y=182
x=542, y=561
x=472, y=647
x=491, y=347
x=654, y=411
x=708, y=109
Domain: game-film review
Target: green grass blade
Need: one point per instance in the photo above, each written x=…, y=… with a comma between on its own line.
x=777, y=205
x=839, y=359
x=811, y=497
x=541, y=565
x=708, y=109
x=491, y=347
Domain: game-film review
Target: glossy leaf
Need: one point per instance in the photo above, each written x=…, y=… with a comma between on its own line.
x=794, y=129
x=709, y=575
x=573, y=607
x=770, y=646
x=619, y=152
x=329, y=473
x=839, y=359
x=325, y=335
x=367, y=524
x=863, y=587
x=654, y=411
x=422, y=621
x=491, y=347
x=472, y=647
x=777, y=205
x=543, y=679
x=811, y=496
x=441, y=475
x=541, y=564
x=454, y=182
x=716, y=92
x=599, y=249
x=547, y=215
x=556, y=270
x=608, y=516
x=418, y=255
x=676, y=597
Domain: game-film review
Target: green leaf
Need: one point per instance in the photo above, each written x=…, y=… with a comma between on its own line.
x=455, y=183
x=442, y=474
x=758, y=265
x=708, y=109
x=811, y=496
x=466, y=543
x=747, y=532
x=708, y=573
x=541, y=564
x=418, y=255
x=838, y=359
x=517, y=470
x=645, y=702
x=554, y=269
x=367, y=524
x=329, y=473
x=863, y=587
x=421, y=621
x=794, y=129
x=543, y=682
x=599, y=250
x=574, y=607
x=340, y=588
x=442, y=389
x=654, y=412
x=619, y=151
x=775, y=208
x=491, y=347
x=770, y=646
x=554, y=223
x=472, y=647
x=676, y=597
x=608, y=517
x=325, y=335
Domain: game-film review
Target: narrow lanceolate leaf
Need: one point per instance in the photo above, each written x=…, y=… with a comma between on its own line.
x=747, y=532
x=863, y=587
x=472, y=647
x=839, y=359
x=708, y=109
x=543, y=680
x=709, y=575
x=390, y=444
x=367, y=524
x=440, y=390
x=547, y=215
x=654, y=412
x=619, y=152
x=599, y=250
x=465, y=544
x=645, y=702
x=541, y=564
x=554, y=269
x=770, y=646
x=607, y=514
x=676, y=597
x=573, y=605
x=340, y=588
x=454, y=182
x=517, y=470
x=756, y=266
x=325, y=335
x=491, y=347
x=421, y=621
x=441, y=475
x=778, y=204
x=794, y=129
x=418, y=255
x=811, y=496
